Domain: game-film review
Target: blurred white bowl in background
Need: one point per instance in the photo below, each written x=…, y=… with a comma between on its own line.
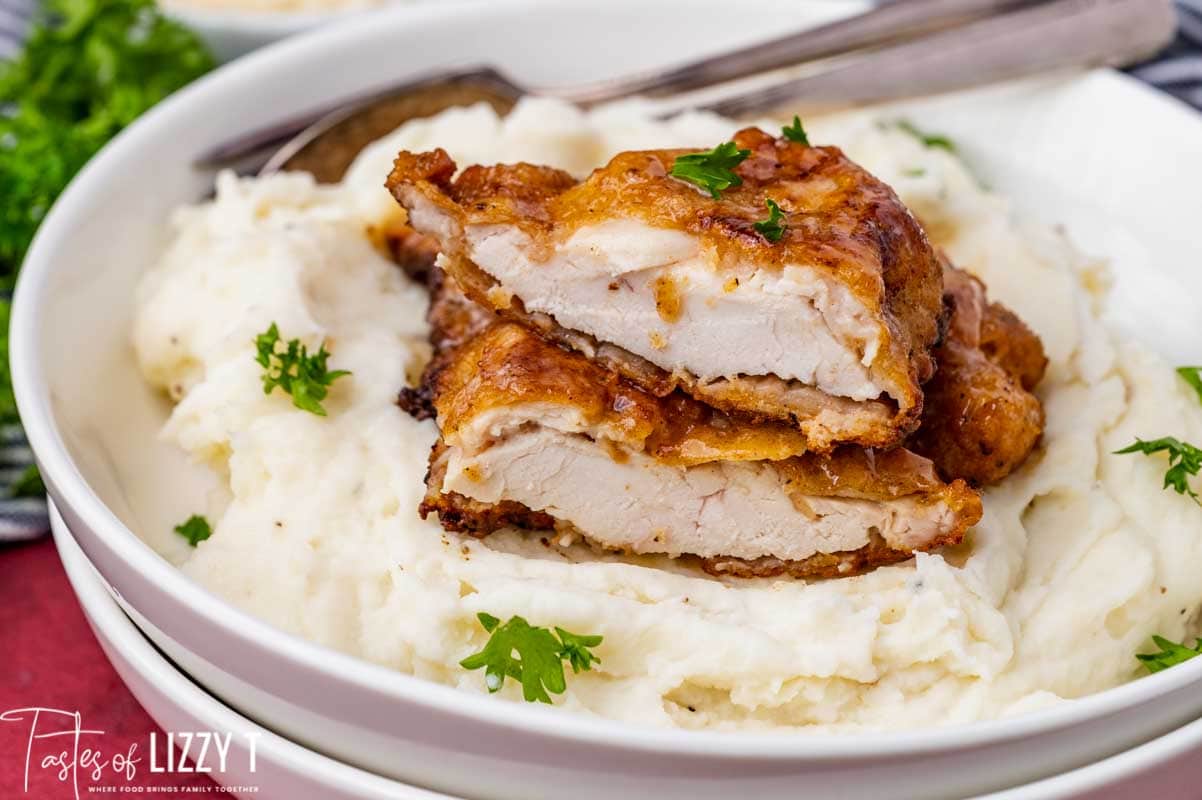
x=230, y=32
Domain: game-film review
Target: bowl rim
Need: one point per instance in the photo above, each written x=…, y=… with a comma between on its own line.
x=71, y=490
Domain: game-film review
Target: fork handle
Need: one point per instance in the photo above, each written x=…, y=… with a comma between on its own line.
x=897, y=20
x=1056, y=35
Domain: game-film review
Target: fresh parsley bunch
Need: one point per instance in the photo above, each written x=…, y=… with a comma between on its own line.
x=89, y=68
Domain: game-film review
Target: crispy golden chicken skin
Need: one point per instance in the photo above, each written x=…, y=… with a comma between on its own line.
x=533, y=433
x=828, y=329
x=981, y=420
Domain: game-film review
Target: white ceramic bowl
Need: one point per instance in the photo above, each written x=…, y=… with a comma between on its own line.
x=1066, y=156
x=279, y=768
x=1168, y=766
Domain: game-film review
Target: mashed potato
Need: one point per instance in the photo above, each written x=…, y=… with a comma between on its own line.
x=1080, y=557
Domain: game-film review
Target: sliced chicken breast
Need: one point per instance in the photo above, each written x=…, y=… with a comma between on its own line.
x=828, y=328
x=535, y=434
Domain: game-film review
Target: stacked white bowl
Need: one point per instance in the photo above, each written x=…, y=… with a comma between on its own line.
x=93, y=425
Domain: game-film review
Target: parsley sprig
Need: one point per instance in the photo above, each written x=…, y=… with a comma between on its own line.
x=1170, y=653
x=540, y=656
x=772, y=228
x=935, y=140
x=712, y=170
x=1192, y=376
x=291, y=368
x=195, y=529
x=1184, y=460
x=795, y=132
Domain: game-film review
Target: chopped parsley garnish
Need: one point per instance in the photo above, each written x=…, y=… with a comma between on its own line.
x=1192, y=376
x=538, y=665
x=795, y=132
x=712, y=170
x=928, y=139
x=291, y=368
x=1171, y=653
x=195, y=529
x=1184, y=460
x=772, y=228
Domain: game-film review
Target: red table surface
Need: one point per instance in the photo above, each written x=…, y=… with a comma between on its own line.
x=50, y=659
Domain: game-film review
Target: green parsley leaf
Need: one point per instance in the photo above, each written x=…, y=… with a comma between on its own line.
x=538, y=665
x=1192, y=376
x=795, y=132
x=291, y=368
x=772, y=228
x=195, y=529
x=576, y=650
x=712, y=170
x=88, y=68
x=928, y=139
x=1184, y=460
x=1170, y=653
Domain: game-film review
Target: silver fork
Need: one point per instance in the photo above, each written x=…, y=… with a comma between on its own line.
x=902, y=49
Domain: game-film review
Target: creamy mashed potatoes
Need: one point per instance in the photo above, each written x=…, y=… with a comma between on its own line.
x=1080, y=556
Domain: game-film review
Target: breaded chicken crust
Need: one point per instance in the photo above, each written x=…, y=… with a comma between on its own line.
x=981, y=420
x=840, y=222
x=506, y=366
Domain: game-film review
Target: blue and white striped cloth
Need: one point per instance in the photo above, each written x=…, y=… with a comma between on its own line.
x=1178, y=70
x=14, y=20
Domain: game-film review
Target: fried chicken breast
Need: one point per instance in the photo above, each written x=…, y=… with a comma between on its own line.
x=535, y=434
x=828, y=329
x=981, y=420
